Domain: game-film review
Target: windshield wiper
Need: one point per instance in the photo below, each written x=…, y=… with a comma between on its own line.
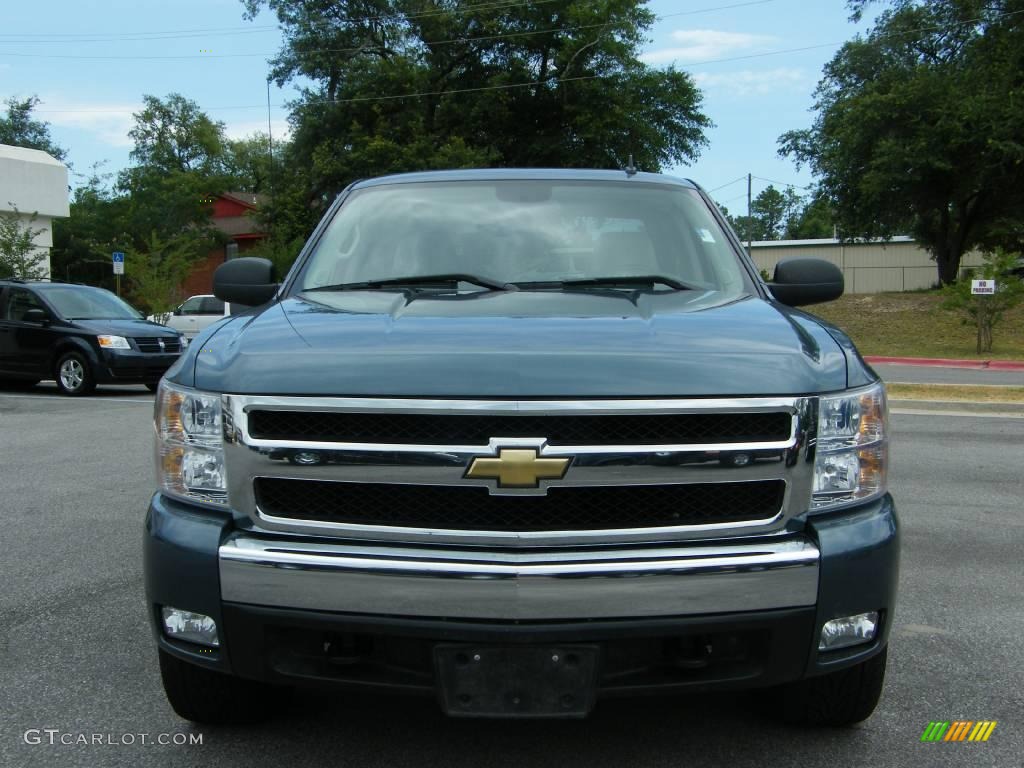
x=629, y=281
x=420, y=280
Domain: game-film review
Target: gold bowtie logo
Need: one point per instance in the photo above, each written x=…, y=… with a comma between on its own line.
x=517, y=468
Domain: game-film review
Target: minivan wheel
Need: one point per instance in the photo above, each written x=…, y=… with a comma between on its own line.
x=74, y=375
x=839, y=698
x=214, y=698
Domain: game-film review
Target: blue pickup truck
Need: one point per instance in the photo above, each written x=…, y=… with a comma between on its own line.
x=520, y=440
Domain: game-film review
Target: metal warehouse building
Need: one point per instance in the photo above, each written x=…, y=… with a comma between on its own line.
x=874, y=266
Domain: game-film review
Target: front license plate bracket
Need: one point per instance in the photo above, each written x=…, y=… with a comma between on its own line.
x=500, y=681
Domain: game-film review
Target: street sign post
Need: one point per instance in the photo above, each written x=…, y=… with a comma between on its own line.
x=118, y=262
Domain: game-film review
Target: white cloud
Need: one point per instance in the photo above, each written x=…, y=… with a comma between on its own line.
x=242, y=129
x=747, y=82
x=108, y=122
x=704, y=45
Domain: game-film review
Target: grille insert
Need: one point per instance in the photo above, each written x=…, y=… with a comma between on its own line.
x=562, y=509
x=456, y=429
x=152, y=345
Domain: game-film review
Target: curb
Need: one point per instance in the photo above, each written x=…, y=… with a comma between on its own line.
x=942, y=362
x=959, y=405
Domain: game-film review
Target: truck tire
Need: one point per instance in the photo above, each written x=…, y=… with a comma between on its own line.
x=214, y=698
x=838, y=698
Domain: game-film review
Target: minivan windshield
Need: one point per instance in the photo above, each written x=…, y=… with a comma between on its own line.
x=532, y=234
x=81, y=302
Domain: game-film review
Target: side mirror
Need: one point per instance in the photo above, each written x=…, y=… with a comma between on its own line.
x=246, y=280
x=177, y=311
x=801, y=281
x=35, y=316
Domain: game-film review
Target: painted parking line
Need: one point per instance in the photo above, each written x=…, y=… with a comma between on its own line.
x=142, y=399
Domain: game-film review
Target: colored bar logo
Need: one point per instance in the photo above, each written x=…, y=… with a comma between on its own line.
x=958, y=730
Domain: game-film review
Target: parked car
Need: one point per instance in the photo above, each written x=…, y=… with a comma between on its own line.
x=520, y=440
x=194, y=315
x=79, y=336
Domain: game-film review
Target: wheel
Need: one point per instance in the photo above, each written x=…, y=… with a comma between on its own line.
x=74, y=376
x=839, y=698
x=152, y=386
x=205, y=696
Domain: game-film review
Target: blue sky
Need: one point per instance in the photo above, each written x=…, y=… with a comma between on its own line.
x=101, y=56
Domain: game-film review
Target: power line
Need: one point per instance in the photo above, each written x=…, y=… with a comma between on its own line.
x=734, y=181
x=785, y=184
x=451, y=41
x=531, y=84
x=499, y=5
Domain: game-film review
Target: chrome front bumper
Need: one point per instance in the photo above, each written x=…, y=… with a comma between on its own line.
x=460, y=583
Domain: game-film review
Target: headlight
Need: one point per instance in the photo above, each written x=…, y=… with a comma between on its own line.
x=852, y=453
x=113, y=342
x=189, y=444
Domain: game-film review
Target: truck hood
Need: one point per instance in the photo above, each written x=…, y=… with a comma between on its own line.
x=518, y=345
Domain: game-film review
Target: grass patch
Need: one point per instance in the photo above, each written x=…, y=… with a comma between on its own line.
x=914, y=325
x=955, y=392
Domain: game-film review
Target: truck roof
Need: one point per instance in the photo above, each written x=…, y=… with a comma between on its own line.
x=546, y=174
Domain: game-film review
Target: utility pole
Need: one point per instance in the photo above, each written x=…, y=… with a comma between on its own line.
x=750, y=221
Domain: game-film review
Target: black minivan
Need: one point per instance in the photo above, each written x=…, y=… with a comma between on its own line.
x=80, y=336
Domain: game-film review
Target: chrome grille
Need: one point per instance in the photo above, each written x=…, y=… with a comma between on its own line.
x=397, y=469
x=152, y=344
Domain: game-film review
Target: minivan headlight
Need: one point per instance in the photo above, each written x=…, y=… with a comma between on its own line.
x=852, y=453
x=190, y=444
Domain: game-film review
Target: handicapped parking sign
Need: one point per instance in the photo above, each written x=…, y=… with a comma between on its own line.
x=118, y=257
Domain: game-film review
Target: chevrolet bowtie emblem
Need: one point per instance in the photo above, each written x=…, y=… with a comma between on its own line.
x=517, y=468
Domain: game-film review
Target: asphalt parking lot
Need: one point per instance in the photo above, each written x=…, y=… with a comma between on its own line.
x=76, y=654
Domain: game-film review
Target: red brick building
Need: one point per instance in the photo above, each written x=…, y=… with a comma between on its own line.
x=233, y=216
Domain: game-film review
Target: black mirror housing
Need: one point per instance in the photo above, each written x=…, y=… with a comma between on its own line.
x=248, y=281
x=800, y=281
x=35, y=316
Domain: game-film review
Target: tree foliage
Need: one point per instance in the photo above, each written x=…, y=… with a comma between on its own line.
x=19, y=255
x=180, y=159
x=404, y=85
x=986, y=311
x=918, y=126
x=19, y=128
x=783, y=215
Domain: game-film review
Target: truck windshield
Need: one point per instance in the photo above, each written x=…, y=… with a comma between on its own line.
x=530, y=234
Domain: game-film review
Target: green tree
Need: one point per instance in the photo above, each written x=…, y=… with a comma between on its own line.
x=180, y=158
x=83, y=242
x=19, y=256
x=815, y=219
x=249, y=165
x=918, y=126
x=156, y=270
x=773, y=210
x=494, y=84
x=19, y=129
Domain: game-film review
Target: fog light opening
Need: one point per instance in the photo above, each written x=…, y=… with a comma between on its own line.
x=848, y=630
x=190, y=627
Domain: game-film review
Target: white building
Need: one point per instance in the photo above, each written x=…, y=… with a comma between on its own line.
x=34, y=183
